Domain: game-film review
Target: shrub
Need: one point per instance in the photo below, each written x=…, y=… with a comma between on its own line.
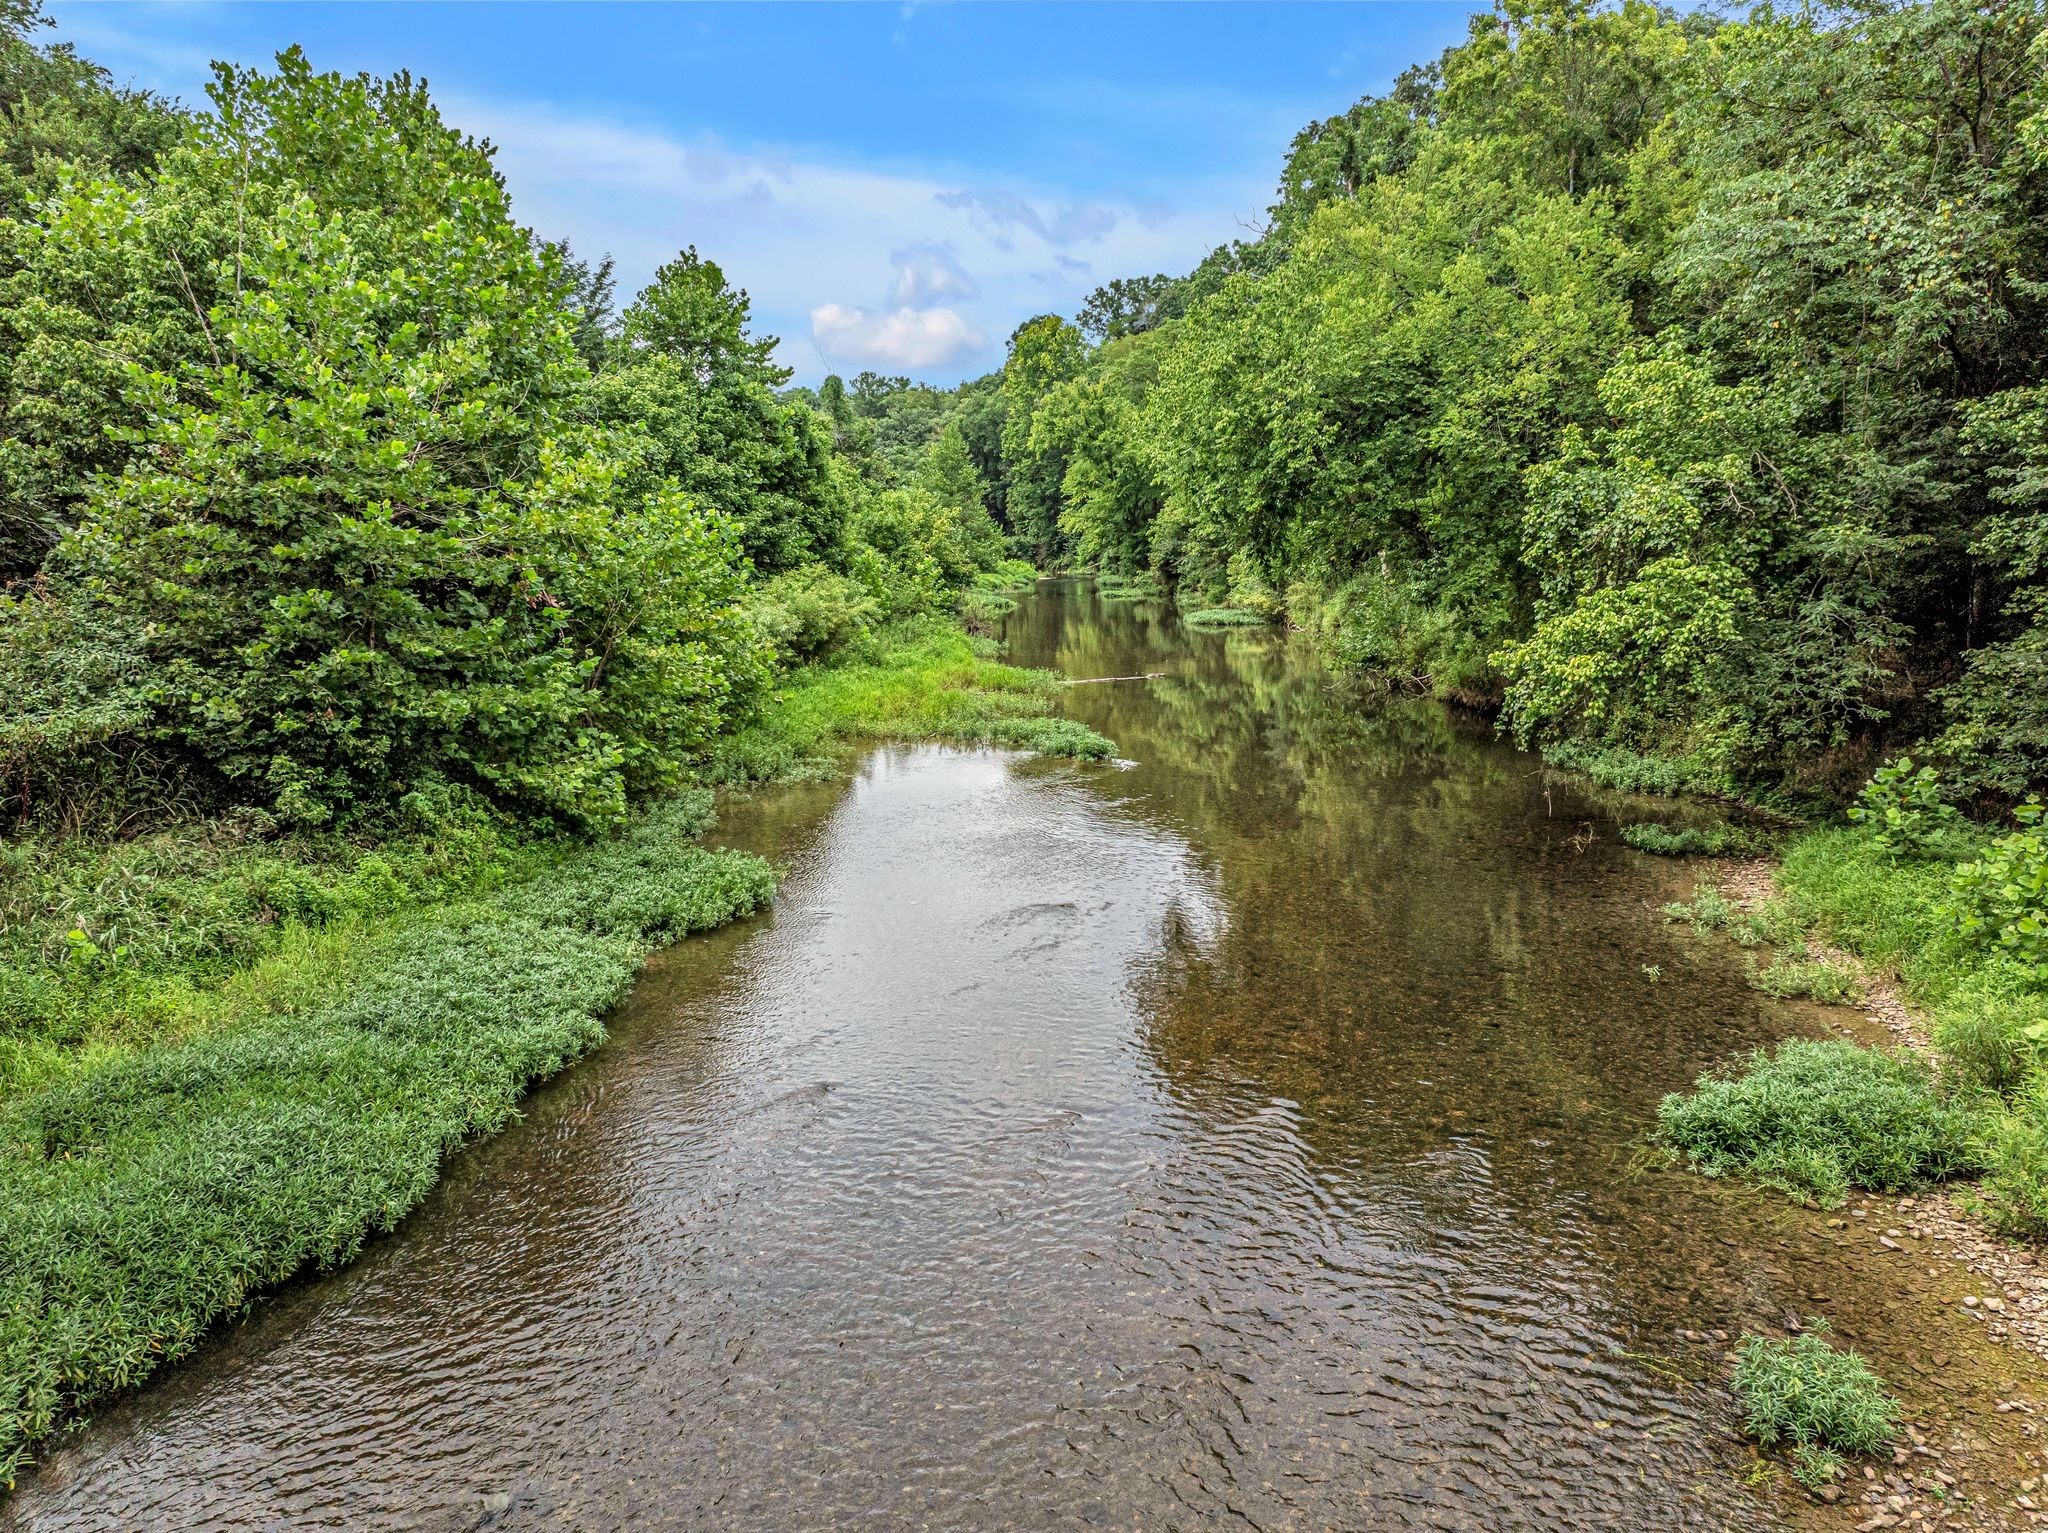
x=1992, y=1035
x=1814, y=1119
x=811, y=613
x=1904, y=811
x=2000, y=900
x=1822, y=1400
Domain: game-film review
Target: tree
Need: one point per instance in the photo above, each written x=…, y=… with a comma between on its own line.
x=360, y=539
x=690, y=313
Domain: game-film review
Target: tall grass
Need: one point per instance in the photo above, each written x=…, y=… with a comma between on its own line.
x=930, y=682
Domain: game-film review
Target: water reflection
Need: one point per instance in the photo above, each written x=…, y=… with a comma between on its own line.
x=1242, y=1138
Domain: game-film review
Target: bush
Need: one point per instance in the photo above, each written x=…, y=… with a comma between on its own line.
x=1822, y=1400
x=1815, y=1119
x=1904, y=811
x=2014, y=1192
x=1992, y=1035
x=811, y=613
x=2000, y=900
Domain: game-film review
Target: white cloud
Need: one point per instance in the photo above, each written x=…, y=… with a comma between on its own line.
x=926, y=271
x=905, y=266
x=905, y=337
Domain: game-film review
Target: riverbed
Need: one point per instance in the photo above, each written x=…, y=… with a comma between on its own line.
x=1244, y=1134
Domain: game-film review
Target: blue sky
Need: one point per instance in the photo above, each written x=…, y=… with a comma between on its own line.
x=896, y=185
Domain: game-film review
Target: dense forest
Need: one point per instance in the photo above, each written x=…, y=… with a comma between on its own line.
x=1673, y=385
x=325, y=485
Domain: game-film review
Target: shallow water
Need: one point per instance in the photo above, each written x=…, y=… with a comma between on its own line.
x=1245, y=1136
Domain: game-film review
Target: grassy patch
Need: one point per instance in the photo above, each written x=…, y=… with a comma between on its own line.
x=1630, y=771
x=1225, y=617
x=1815, y=1119
x=929, y=682
x=1822, y=1401
x=1143, y=586
x=150, y=1193
x=1690, y=841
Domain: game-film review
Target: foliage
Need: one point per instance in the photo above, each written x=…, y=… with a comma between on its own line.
x=1816, y=1119
x=1905, y=810
x=2014, y=1192
x=152, y=1193
x=924, y=680
x=1689, y=840
x=811, y=613
x=1225, y=617
x=2001, y=898
x=1822, y=1400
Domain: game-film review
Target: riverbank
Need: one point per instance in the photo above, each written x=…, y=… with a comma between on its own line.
x=1849, y=908
x=227, y=1055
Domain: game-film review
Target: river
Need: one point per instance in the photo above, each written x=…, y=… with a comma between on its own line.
x=1246, y=1134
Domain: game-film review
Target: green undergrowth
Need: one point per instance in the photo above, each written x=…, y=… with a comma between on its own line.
x=929, y=681
x=1820, y=1400
x=1987, y=1004
x=992, y=595
x=1226, y=617
x=1143, y=586
x=151, y=1192
x=1814, y=1119
x=1692, y=841
x=1794, y=967
x=1628, y=771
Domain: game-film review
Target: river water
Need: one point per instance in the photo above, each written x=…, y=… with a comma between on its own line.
x=1245, y=1135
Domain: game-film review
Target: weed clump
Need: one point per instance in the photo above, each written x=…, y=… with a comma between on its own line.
x=1814, y=1119
x=1715, y=841
x=1822, y=1400
x=1225, y=617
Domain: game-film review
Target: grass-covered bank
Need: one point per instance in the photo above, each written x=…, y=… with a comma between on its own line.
x=232, y=1053
x=1954, y=916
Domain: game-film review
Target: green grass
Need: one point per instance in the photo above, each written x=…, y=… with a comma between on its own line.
x=227, y=1054
x=1714, y=841
x=1143, y=586
x=1989, y=1013
x=931, y=682
x=152, y=1192
x=1630, y=771
x=1225, y=617
x=1816, y=1119
x=1816, y=1397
